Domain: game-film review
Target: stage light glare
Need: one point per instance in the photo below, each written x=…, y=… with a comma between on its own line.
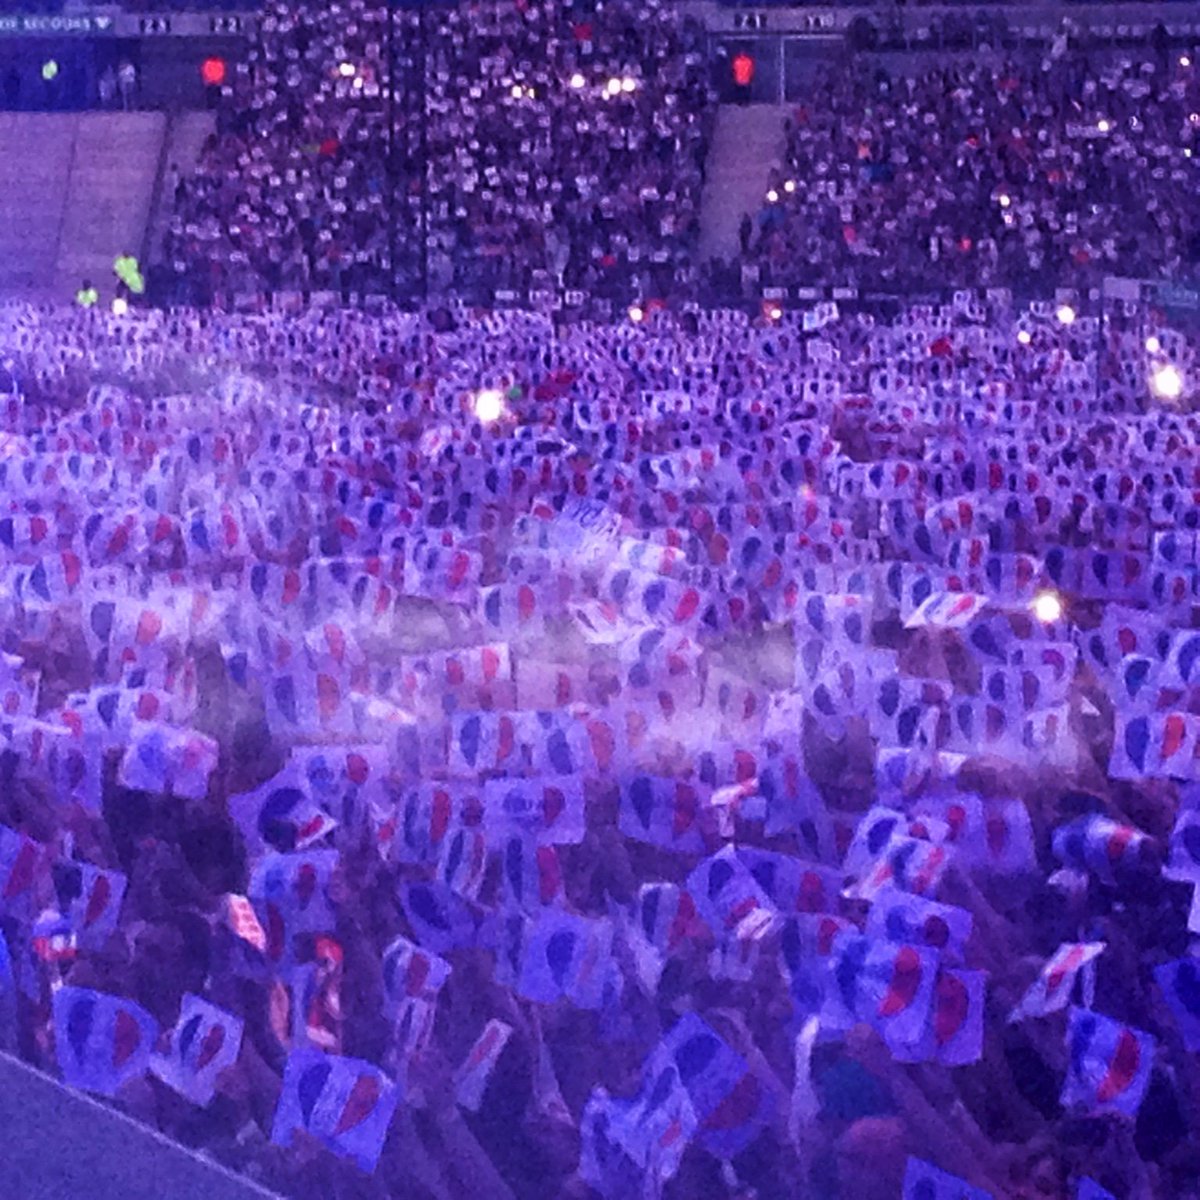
x=1065, y=315
x=1166, y=382
x=772, y=196
x=120, y=306
x=1047, y=607
x=636, y=313
x=577, y=81
x=489, y=405
x=1153, y=345
x=1024, y=337
x=789, y=186
x=345, y=70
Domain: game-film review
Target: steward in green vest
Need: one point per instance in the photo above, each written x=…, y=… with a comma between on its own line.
x=129, y=273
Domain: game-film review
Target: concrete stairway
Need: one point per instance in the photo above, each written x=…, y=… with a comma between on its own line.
x=75, y=192
x=186, y=136
x=108, y=195
x=35, y=162
x=747, y=142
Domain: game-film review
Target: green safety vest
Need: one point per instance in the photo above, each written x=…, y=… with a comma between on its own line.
x=126, y=268
x=87, y=297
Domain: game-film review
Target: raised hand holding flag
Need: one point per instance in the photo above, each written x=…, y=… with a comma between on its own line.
x=101, y=1041
x=205, y=1041
x=345, y=1103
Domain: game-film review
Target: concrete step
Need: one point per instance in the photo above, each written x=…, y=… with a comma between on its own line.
x=35, y=160
x=188, y=133
x=747, y=141
x=75, y=191
x=108, y=195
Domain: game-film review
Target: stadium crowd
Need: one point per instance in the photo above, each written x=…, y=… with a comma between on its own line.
x=565, y=148
x=563, y=143
x=987, y=172
x=700, y=757
x=464, y=754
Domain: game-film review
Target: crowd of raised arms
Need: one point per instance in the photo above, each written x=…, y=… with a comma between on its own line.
x=697, y=758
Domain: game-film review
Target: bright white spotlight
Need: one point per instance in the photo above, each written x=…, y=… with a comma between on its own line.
x=772, y=196
x=1184, y=61
x=1166, y=382
x=1153, y=345
x=775, y=312
x=516, y=91
x=628, y=84
x=489, y=405
x=345, y=70
x=1047, y=607
x=636, y=313
x=577, y=81
x=1066, y=315
x=1103, y=125
x=120, y=306
x=789, y=186
x=1024, y=337
x=612, y=87
x=1004, y=201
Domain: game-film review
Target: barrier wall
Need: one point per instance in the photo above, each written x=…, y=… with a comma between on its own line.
x=59, y=1144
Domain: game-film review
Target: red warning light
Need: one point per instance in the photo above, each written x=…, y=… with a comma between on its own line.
x=212, y=71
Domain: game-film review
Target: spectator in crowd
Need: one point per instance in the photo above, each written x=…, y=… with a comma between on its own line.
x=107, y=87
x=127, y=84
